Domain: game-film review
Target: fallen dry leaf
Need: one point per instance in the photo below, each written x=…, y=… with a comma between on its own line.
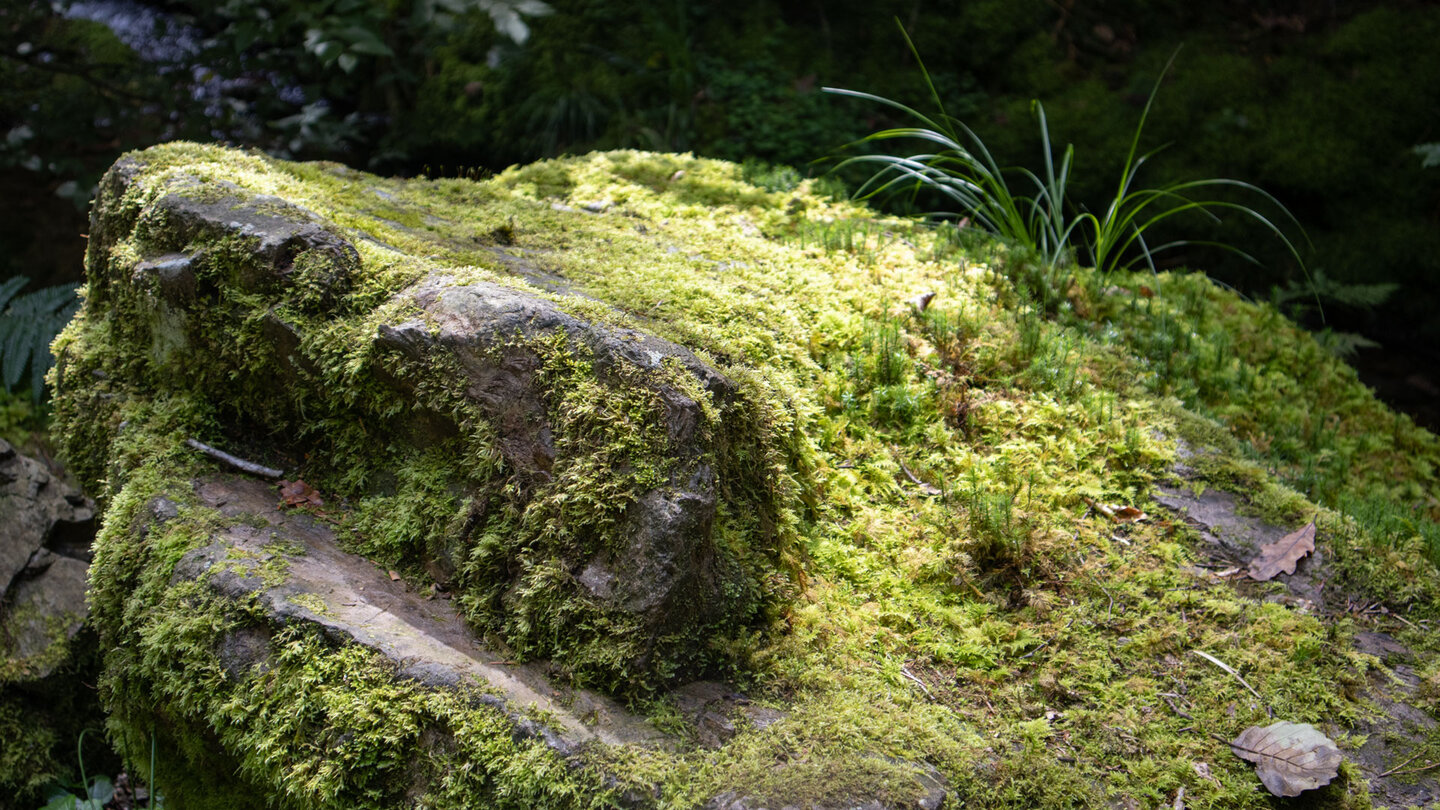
x=394, y=576
x=1116, y=512
x=1283, y=554
x=1127, y=514
x=1290, y=758
x=299, y=493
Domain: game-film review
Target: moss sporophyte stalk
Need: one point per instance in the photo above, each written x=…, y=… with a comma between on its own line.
x=886, y=505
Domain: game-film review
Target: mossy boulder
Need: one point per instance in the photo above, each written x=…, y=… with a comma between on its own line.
x=46, y=652
x=533, y=451
x=559, y=444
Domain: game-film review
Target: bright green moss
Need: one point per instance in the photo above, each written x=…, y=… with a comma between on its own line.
x=903, y=496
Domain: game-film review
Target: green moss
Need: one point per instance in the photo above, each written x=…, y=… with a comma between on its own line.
x=911, y=568
x=27, y=762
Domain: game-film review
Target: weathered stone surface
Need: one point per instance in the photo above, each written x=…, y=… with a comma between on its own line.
x=292, y=565
x=44, y=554
x=663, y=569
x=1234, y=538
x=47, y=654
x=717, y=712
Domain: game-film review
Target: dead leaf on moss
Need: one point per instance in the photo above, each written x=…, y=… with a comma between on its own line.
x=1116, y=512
x=1290, y=758
x=1283, y=554
x=299, y=493
x=1127, y=514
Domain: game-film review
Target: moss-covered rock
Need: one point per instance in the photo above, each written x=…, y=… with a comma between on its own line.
x=46, y=652
x=531, y=450
x=641, y=422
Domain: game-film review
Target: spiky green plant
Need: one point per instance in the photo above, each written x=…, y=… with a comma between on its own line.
x=28, y=323
x=1037, y=214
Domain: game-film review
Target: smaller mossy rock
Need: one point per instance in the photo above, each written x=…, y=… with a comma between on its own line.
x=595, y=493
x=44, y=554
x=46, y=652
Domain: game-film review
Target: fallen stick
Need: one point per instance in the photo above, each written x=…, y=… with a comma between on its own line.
x=917, y=681
x=1217, y=662
x=238, y=463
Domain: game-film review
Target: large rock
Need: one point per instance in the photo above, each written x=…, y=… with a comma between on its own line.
x=509, y=509
x=618, y=481
x=554, y=466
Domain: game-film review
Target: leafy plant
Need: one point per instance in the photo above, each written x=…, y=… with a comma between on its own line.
x=27, y=325
x=1037, y=214
x=95, y=794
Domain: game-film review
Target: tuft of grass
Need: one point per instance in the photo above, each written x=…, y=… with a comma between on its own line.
x=1033, y=210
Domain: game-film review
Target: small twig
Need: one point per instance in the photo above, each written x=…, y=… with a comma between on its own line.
x=1397, y=768
x=1400, y=770
x=1110, y=608
x=917, y=681
x=1420, y=769
x=238, y=463
x=924, y=487
x=1042, y=646
x=1217, y=662
x=1394, y=615
x=1165, y=696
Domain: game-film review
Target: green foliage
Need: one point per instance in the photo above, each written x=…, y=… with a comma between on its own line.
x=28, y=323
x=98, y=792
x=1037, y=218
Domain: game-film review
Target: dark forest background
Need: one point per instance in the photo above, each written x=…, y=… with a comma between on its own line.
x=1332, y=107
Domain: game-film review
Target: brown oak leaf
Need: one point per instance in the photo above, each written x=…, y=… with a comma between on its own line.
x=1283, y=554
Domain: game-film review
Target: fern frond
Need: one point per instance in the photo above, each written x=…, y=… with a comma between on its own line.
x=9, y=287
x=28, y=324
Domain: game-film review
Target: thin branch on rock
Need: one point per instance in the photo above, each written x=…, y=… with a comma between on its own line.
x=238, y=463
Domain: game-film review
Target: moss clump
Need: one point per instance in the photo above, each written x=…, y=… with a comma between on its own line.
x=912, y=568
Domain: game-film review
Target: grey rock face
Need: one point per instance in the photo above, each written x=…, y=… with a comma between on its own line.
x=351, y=600
x=45, y=538
x=663, y=573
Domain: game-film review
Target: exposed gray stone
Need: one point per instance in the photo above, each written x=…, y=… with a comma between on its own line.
x=717, y=712
x=292, y=563
x=667, y=560
x=44, y=555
